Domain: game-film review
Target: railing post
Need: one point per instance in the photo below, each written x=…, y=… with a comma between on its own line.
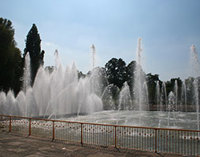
x=81, y=133
x=156, y=132
x=29, y=127
x=10, y=125
x=115, y=137
x=53, y=134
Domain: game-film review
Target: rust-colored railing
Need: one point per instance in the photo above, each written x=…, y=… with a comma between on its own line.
x=159, y=140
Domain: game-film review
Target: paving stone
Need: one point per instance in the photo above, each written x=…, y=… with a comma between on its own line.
x=17, y=150
x=15, y=143
x=14, y=146
x=99, y=154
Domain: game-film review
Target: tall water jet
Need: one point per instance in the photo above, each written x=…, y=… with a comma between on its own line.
x=107, y=98
x=195, y=71
x=194, y=62
x=93, y=56
x=125, y=102
x=196, y=99
x=146, y=95
x=163, y=96
x=158, y=96
x=171, y=105
x=140, y=94
x=176, y=94
x=27, y=73
x=184, y=96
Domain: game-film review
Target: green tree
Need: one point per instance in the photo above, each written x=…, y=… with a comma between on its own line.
x=10, y=58
x=190, y=92
x=116, y=72
x=130, y=69
x=171, y=84
x=151, y=82
x=33, y=47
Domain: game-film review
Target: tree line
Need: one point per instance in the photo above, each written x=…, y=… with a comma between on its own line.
x=116, y=72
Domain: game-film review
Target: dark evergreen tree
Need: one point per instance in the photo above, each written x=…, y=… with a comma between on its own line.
x=33, y=47
x=10, y=58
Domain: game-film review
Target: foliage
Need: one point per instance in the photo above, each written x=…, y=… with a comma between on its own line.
x=116, y=72
x=49, y=69
x=151, y=83
x=130, y=75
x=33, y=47
x=10, y=58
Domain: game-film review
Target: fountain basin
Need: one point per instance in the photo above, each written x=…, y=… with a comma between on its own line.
x=160, y=119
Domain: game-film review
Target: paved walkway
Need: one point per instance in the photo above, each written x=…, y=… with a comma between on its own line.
x=17, y=146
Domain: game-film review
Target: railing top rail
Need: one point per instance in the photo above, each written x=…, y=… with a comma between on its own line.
x=112, y=125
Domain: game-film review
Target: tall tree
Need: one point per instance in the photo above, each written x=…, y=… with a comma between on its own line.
x=33, y=47
x=10, y=58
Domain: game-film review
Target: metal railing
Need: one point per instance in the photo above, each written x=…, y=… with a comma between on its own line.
x=158, y=140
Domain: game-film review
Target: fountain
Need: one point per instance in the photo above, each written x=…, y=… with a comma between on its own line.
x=125, y=102
x=56, y=93
x=171, y=105
x=196, y=72
x=163, y=97
x=140, y=87
x=93, y=56
x=196, y=100
x=176, y=95
x=62, y=93
x=27, y=73
x=184, y=96
x=158, y=101
x=168, y=112
x=107, y=98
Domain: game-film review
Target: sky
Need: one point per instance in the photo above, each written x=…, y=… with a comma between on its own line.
x=168, y=28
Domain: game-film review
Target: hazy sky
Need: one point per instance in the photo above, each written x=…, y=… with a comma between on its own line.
x=167, y=27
